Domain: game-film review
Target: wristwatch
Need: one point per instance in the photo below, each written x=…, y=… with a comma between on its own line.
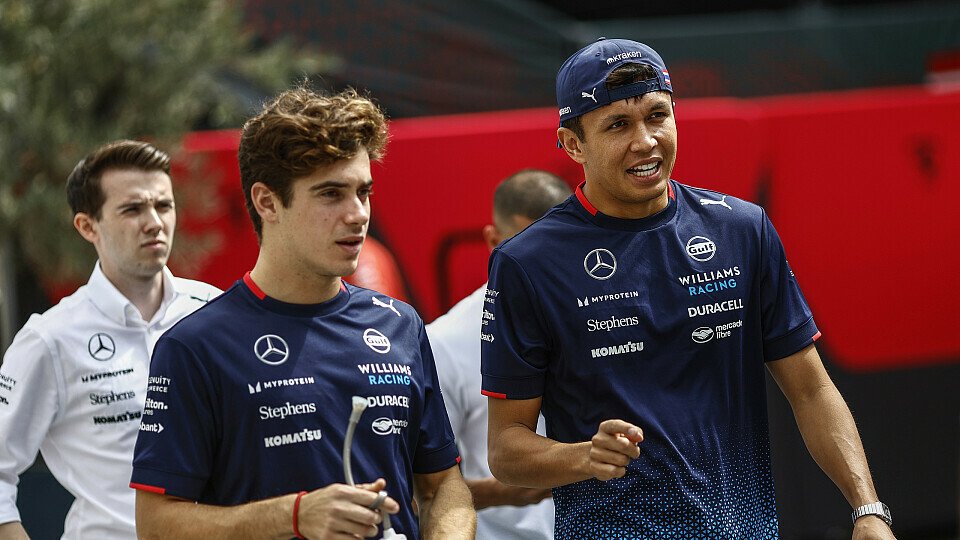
x=873, y=509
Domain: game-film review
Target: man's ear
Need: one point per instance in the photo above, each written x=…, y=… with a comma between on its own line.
x=265, y=202
x=571, y=144
x=86, y=226
x=491, y=236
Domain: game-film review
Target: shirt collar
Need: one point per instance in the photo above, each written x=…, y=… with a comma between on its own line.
x=112, y=303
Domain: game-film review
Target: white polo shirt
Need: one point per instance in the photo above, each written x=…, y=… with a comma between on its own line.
x=73, y=385
x=455, y=340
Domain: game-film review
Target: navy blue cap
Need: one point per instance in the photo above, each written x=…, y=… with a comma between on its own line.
x=581, y=85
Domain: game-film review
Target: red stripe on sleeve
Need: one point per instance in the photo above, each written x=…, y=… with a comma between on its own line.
x=151, y=489
x=816, y=336
x=493, y=394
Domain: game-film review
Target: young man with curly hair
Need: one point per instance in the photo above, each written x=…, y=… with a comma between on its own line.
x=252, y=396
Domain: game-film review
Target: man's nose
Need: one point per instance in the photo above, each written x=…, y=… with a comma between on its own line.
x=643, y=140
x=151, y=220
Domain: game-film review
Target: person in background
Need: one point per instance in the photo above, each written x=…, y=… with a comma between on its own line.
x=503, y=512
x=73, y=383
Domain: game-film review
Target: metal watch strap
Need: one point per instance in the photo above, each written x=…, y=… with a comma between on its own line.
x=873, y=509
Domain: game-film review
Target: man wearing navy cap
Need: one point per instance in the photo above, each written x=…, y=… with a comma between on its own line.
x=638, y=317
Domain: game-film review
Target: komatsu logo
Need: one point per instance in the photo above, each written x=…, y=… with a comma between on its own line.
x=613, y=350
x=305, y=435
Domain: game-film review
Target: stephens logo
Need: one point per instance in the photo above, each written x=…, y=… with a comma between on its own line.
x=600, y=264
x=594, y=325
x=387, y=426
x=376, y=341
x=701, y=248
x=271, y=349
x=702, y=334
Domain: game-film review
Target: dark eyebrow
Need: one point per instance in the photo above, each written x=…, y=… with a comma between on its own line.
x=661, y=105
x=339, y=184
x=614, y=118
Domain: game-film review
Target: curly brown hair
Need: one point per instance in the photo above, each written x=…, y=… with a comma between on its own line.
x=300, y=131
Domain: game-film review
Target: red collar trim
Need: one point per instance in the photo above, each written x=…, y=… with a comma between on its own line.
x=257, y=291
x=583, y=199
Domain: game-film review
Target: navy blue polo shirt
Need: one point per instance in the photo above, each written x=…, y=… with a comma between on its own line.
x=250, y=397
x=665, y=322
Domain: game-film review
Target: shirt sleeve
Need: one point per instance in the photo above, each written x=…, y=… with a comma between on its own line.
x=448, y=373
x=788, y=324
x=176, y=445
x=515, y=350
x=436, y=447
x=29, y=401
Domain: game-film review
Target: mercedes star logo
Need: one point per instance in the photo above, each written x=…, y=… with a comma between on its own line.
x=101, y=346
x=600, y=264
x=271, y=349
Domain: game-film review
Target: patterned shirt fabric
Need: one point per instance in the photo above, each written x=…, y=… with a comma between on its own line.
x=665, y=322
x=251, y=397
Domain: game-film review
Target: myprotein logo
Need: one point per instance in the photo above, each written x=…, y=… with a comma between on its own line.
x=376, y=341
x=701, y=248
x=260, y=386
x=388, y=426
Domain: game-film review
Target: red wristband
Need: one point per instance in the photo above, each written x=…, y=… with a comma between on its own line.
x=296, y=515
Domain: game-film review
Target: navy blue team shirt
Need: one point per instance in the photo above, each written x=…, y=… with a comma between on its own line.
x=665, y=322
x=249, y=398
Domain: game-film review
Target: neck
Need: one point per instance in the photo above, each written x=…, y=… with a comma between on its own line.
x=292, y=286
x=145, y=294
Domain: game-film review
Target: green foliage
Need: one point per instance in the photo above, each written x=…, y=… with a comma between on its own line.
x=77, y=73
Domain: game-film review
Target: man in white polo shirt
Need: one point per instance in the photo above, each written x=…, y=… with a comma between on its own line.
x=74, y=380
x=503, y=512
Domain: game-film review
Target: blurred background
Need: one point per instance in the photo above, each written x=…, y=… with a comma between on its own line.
x=840, y=117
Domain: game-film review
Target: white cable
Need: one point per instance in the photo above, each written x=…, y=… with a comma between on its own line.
x=359, y=405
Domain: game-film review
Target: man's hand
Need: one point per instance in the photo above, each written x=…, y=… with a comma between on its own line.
x=872, y=528
x=613, y=447
x=341, y=511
